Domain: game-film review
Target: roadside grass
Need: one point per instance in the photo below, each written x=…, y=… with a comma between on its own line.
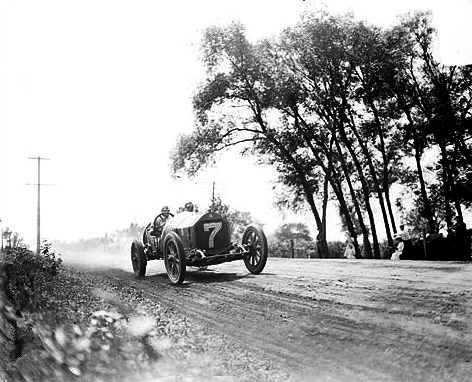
x=56, y=326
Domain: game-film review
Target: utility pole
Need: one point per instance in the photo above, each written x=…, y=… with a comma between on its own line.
x=38, y=218
x=213, y=198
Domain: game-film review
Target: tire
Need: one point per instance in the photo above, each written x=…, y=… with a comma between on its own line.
x=138, y=259
x=255, y=241
x=174, y=258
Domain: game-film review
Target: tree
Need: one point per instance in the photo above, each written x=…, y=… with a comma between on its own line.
x=237, y=81
x=436, y=101
x=322, y=56
x=334, y=105
x=291, y=240
x=238, y=220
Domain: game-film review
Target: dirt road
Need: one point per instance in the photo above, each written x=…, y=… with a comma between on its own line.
x=341, y=320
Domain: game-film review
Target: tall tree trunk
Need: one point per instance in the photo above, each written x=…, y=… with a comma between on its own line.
x=375, y=180
x=365, y=191
x=452, y=186
x=338, y=191
x=330, y=172
x=323, y=216
x=337, y=188
x=465, y=151
x=445, y=180
x=307, y=190
x=347, y=176
x=416, y=145
x=386, y=175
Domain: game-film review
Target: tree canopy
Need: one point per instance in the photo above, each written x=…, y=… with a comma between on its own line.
x=339, y=107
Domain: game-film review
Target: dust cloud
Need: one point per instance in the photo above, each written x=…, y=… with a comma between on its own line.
x=96, y=258
x=110, y=251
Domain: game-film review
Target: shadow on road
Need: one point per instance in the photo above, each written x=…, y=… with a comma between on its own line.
x=193, y=276
x=209, y=277
x=200, y=277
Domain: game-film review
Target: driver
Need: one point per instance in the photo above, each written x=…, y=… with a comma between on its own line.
x=160, y=220
x=155, y=227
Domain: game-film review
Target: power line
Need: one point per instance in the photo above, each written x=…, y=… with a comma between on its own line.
x=38, y=219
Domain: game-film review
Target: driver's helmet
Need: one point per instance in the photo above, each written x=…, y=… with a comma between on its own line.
x=189, y=207
x=165, y=210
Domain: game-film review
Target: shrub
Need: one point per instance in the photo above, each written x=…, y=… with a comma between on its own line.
x=336, y=249
x=28, y=277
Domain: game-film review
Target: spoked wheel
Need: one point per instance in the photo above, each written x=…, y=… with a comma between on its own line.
x=138, y=259
x=174, y=258
x=255, y=241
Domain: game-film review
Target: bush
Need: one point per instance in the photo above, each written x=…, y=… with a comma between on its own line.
x=28, y=277
x=304, y=250
x=300, y=249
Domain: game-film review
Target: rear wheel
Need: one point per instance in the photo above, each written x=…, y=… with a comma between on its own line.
x=138, y=259
x=174, y=258
x=255, y=241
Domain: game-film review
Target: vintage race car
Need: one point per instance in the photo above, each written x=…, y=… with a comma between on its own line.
x=199, y=240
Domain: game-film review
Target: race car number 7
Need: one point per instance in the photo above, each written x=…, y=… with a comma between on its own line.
x=215, y=227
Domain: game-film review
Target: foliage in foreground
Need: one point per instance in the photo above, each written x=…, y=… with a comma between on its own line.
x=52, y=328
x=29, y=277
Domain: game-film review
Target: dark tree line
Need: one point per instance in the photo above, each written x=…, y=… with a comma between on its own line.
x=238, y=220
x=343, y=110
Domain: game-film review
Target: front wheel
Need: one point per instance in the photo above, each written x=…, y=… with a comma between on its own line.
x=174, y=258
x=138, y=259
x=255, y=241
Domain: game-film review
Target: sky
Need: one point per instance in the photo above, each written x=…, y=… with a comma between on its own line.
x=103, y=88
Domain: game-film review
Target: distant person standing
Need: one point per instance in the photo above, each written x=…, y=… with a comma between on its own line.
x=404, y=233
x=350, y=251
x=399, y=247
x=461, y=240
